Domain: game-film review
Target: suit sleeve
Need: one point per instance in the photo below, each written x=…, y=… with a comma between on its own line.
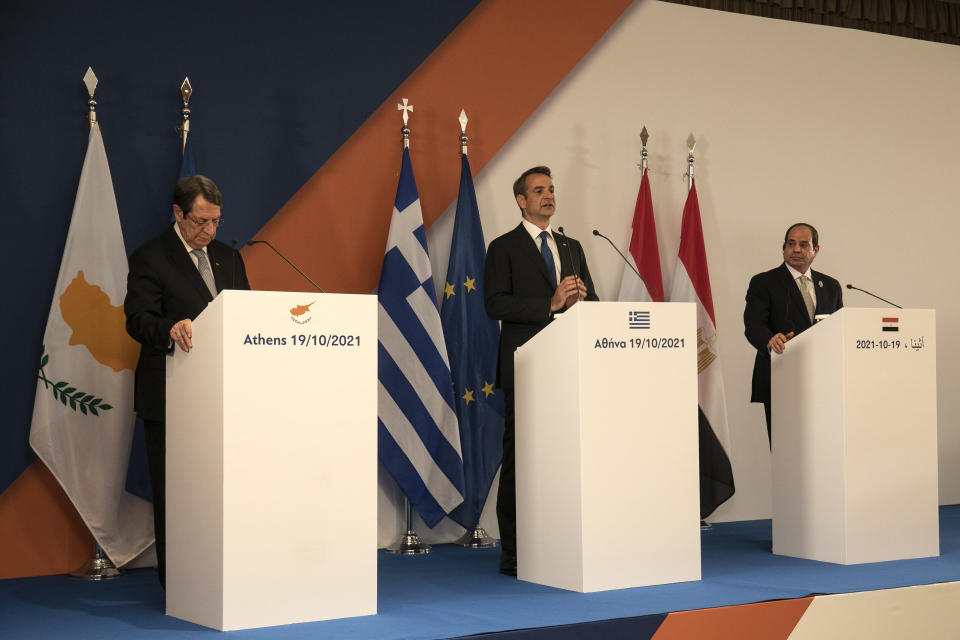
x=839, y=296
x=143, y=306
x=756, y=314
x=499, y=292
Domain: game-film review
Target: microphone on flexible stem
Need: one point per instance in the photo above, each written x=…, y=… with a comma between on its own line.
x=629, y=264
x=873, y=295
x=233, y=262
x=576, y=267
x=253, y=242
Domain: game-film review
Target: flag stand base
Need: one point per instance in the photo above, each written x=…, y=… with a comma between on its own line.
x=477, y=539
x=99, y=567
x=410, y=544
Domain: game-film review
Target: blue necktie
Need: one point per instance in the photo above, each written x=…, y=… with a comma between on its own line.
x=548, y=258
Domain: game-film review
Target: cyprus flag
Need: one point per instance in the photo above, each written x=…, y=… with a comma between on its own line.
x=83, y=413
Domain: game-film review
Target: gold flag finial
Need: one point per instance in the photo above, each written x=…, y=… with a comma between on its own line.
x=90, y=79
x=691, y=145
x=644, y=136
x=186, y=92
x=463, y=132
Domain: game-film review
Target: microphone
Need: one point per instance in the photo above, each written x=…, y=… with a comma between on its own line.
x=873, y=295
x=250, y=243
x=629, y=264
x=233, y=262
x=576, y=267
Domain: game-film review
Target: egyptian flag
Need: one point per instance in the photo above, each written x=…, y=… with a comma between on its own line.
x=691, y=283
x=644, y=252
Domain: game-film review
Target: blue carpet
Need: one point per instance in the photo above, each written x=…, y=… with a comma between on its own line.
x=456, y=592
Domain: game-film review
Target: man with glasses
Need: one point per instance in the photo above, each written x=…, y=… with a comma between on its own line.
x=171, y=280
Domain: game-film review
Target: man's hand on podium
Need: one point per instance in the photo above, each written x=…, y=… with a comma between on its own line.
x=570, y=291
x=779, y=342
x=182, y=334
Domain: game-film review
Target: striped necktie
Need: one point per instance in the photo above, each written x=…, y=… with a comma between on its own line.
x=204, y=267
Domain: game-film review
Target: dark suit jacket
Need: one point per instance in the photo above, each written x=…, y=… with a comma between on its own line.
x=163, y=288
x=517, y=290
x=775, y=305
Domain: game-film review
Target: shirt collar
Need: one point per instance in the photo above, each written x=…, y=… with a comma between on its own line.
x=796, y=274
x=534, y=230
x=176, y=227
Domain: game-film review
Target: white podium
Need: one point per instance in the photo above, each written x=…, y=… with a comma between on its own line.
x=607, y=450
x=854, y=401
x=271, y=438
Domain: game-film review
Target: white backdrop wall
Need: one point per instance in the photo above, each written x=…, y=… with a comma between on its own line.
x=856, y=133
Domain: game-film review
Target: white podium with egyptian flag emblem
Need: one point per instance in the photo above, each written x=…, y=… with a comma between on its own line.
x=606, y=448
x=271, y=438
x=854, y=430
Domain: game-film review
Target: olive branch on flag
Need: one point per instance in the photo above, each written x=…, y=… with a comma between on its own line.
x=69, y=395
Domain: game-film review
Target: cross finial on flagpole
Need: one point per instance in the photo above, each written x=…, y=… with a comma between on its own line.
x=407, y=109
x=463, y=132
x=90, y=79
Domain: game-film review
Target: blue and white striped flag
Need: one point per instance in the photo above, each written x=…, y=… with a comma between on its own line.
x=419, y=439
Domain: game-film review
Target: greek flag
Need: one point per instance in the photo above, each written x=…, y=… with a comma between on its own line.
x=419, y=438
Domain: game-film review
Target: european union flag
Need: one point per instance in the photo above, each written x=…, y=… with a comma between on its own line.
x=472, y=338
x=419, y=442
x=188, y=163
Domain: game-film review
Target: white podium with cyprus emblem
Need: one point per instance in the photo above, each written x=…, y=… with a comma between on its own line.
x=854, y=429
x=606, y=448
x=271, y=428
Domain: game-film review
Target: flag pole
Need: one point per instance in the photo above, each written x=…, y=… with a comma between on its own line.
x=409, y=544
x=99, y=566
x=478, y=538
x=186, y=90
x=691, y=145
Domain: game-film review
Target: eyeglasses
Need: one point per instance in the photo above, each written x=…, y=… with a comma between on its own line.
x=202, y=222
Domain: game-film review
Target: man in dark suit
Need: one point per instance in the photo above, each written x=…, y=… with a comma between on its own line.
x=531, y=274
x=783, y=302
x=171, y=280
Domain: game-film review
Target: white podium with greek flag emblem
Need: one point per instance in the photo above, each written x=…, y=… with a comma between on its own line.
x=854, y=429
x=606, y=448
x=271, y=438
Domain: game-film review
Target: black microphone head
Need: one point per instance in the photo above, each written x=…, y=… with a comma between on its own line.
x=560, y=229
x=595, y=232
x=849, y=286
